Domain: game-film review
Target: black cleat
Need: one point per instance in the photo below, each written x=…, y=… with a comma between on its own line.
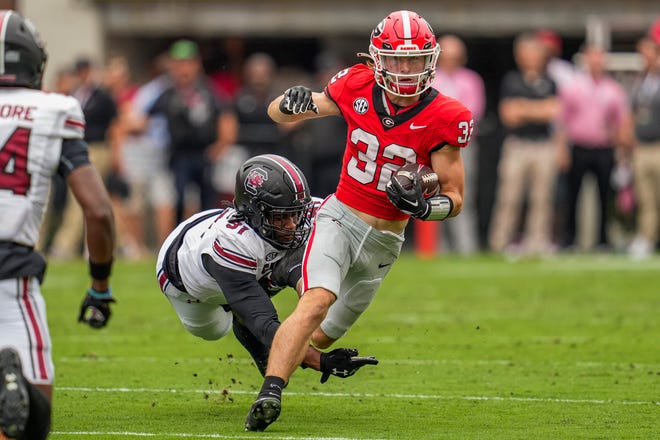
x=264, y=411
x=14, y=398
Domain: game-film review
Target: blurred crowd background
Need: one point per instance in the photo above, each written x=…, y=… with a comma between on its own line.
x=566, y=99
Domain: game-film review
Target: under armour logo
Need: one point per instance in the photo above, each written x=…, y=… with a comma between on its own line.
x=337, y=372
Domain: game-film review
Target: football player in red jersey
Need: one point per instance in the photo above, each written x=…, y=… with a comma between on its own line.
x=394, y=117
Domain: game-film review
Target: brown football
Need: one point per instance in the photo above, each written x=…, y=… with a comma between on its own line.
x=428, y=179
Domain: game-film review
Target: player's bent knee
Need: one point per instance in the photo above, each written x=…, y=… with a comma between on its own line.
x=210, y=332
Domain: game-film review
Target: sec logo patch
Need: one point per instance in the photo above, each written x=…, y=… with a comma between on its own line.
x=360, y=105
x=271, y=256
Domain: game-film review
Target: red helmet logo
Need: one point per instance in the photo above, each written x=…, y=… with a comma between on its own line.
x=255, y=180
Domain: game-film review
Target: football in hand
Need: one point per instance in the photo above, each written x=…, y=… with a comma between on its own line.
x=428, y=179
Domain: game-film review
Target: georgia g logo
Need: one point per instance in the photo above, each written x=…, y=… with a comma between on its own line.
x=379, y=29
x=255, y=179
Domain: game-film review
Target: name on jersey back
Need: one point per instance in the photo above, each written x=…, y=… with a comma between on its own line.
x=11, y=111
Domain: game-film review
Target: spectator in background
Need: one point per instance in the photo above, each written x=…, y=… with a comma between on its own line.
x=227, y=61
x=593, y=121
x=201, y=127
x=144, y=159
x=562, y=72
x=453, y=79
x=117, y=80
x=140, y=161
x=65, y=81
x=100, y=112
x=528, y=106
x=258, y=134
x=646, y=159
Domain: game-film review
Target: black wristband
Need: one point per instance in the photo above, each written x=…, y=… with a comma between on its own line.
x=283, y=108
x=100, y=271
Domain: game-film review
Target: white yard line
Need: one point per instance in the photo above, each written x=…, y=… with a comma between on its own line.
x=370, y=395
x=245, y=360
x=185, y=435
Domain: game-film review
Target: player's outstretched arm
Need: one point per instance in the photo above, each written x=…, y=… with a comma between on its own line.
x=89, y=191
x=298, y=103
x=340, y=362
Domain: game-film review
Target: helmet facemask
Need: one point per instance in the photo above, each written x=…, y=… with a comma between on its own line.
x=387, y=62
x=286, y=228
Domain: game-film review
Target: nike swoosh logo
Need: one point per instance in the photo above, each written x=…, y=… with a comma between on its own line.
x=381, y=265
x=411, y=203
x=416, y=127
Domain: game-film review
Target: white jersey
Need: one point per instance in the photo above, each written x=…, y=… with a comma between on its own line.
x=234, y=245
x=32, y=126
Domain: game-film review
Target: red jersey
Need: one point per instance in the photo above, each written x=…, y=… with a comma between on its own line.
x=380, y=139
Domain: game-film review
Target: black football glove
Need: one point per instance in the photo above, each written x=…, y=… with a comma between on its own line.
x=95, y=308
x=343, y=362
x=411, y=201
x=297, y=99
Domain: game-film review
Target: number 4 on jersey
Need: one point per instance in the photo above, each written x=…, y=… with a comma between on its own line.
x=13, y=162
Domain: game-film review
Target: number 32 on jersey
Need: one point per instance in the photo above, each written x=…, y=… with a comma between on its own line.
x=466, y=131
x=364, y=167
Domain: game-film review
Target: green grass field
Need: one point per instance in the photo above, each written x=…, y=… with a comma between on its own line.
x=478, y=348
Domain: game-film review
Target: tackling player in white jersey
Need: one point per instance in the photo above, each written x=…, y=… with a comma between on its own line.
x=220, y=267
x=41, y=134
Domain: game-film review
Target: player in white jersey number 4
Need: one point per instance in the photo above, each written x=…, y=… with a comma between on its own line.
x=220, y=268
x=41, y=134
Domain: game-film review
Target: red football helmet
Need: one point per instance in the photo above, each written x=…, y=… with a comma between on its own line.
x=404, y=42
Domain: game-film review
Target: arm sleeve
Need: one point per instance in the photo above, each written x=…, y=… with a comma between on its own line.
x=248, y=301
x=74, y=154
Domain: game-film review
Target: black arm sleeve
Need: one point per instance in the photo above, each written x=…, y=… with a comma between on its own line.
x=74, y=154
x=248, y=301
x=288, y=270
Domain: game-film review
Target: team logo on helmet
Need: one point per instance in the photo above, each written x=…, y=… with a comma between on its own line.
x=361, y=105
x=255, y=180
x=378, y=29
